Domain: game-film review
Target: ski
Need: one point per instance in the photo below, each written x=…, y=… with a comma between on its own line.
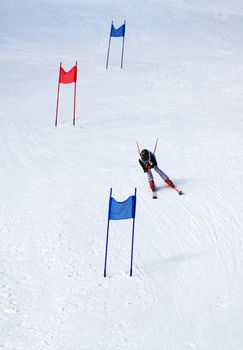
x=178, y=191
x=154, y=195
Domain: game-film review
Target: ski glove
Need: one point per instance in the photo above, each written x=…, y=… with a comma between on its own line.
x=146, y=166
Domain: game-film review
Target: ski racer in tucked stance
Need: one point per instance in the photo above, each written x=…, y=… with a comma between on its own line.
x=148, y=161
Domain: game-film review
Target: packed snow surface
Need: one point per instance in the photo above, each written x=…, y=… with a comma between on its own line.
x=182, y=82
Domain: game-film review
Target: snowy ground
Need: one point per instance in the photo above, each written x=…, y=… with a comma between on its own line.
x=182, y=82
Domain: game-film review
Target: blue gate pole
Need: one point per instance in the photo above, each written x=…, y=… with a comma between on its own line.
x=123, y=44
x=108, y=52
x=133, y=226
x=107, y=234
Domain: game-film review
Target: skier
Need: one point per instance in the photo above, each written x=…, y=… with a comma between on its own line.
x=148, y=162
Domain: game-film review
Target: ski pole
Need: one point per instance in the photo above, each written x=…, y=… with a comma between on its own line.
x=156, y=143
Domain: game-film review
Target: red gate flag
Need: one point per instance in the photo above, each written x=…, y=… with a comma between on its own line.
x=68, y=77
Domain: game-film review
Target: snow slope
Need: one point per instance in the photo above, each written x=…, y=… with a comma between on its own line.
x=182, y=82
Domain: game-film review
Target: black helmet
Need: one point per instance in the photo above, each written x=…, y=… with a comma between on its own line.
x=144, y=155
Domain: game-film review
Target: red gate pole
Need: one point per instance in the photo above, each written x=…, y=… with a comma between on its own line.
x=75, y=91
x=58, y=92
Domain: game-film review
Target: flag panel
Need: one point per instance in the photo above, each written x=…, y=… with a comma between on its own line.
x=68, y=77
x=122, y=210
x=118, y=32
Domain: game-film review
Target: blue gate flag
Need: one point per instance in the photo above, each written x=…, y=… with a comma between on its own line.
x=117, y=32
x=122, y=210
